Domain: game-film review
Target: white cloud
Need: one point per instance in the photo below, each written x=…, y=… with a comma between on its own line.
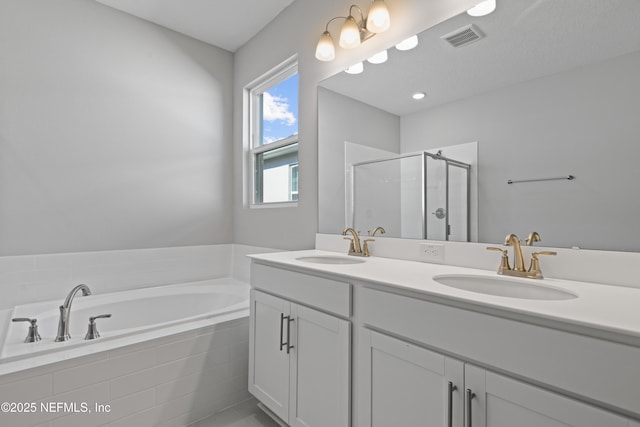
x=277, y=108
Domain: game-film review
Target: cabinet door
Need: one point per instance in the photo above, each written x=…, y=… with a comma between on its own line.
x=406, y=385
x=320, y=376
x=504, y=402
x=268, y=362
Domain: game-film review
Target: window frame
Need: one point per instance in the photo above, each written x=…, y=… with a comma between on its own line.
x=254, y=148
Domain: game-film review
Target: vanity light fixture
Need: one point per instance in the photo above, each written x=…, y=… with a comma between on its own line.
x=408, y=44
x=378, y=58
x=325, y=51
x=355, y=68
x=483, y=8
x=418, y=96
x=354, y=32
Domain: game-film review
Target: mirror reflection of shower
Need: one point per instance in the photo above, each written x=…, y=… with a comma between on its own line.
x=423, y=195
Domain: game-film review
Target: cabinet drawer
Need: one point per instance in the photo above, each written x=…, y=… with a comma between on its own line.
x=326, y=294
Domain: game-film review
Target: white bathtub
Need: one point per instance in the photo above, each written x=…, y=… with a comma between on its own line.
x=143, y=313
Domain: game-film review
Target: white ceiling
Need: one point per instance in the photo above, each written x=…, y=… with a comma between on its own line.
x=227, y=24
x=525, y=39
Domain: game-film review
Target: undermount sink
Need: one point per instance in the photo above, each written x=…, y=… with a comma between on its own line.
x=328, y=259
x=503, y=287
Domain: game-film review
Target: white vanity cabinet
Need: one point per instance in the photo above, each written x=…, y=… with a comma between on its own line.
x=407, y=385
x=299, y=361
x=401, y=369
x=422, y=359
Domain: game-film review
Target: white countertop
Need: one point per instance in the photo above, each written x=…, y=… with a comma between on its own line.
x=603, y=311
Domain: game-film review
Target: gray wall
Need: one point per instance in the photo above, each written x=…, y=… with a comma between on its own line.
x=343, y=119
x=114, y=132
x=295, y=32
x=582, y=122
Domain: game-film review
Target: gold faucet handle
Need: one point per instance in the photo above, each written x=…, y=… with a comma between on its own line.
x=504, y=262
x=352, y=247
x=365, y=246
x=494, y=249
x=535, y=254
x=535, y=263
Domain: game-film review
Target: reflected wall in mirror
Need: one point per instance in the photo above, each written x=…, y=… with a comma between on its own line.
x=549, y=90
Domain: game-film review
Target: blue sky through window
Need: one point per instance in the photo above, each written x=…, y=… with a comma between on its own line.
x=280, y=110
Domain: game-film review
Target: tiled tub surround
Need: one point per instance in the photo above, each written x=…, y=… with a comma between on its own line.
x=171, y=377
x=170, y=381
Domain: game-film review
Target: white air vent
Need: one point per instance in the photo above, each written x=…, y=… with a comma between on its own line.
x=463, y=36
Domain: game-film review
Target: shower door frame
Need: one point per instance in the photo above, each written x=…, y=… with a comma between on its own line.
x=424, y=155
x=448, y=163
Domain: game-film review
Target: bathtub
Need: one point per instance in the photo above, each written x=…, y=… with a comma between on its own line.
x=171, y=354
x=138, y=314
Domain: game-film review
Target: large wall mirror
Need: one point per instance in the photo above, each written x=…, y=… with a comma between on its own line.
x=551, y=89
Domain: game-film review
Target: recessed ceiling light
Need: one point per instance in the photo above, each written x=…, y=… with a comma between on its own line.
x=355, y=68
x=483, y=8
x=379, y=58
x=418, y=95
x=408, y=44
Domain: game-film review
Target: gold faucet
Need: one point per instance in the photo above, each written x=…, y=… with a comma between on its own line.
x=518, y=259
x=518, y=270
x=355, y=248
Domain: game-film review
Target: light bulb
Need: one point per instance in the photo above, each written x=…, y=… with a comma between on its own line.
x=483, y=8
x=408, y=44
x=379, y=57
x=355, y=68
x=418, y=95
x=350, y=34
x=378, y=19
x=325, y=51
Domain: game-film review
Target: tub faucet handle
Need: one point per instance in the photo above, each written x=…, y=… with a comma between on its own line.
x=92, y=330
x=32, y=335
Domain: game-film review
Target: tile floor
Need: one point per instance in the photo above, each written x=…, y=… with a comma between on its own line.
x=246, y=414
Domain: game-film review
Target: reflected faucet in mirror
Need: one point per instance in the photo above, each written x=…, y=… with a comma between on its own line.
x=533, y=237
x=375, y=230
x=534, y=271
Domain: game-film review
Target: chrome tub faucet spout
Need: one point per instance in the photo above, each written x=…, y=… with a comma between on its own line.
x=65, y=312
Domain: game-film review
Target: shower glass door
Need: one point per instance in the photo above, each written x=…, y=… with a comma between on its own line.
x=446, y=199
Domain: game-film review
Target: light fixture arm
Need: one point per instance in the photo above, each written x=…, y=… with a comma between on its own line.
x=326, y=27
x=362, y=17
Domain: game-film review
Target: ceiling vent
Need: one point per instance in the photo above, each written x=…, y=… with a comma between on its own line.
x=463, y=36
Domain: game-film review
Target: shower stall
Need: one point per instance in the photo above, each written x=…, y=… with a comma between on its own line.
x=420, y=195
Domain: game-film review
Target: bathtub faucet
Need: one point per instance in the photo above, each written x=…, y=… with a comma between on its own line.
x=65, y=312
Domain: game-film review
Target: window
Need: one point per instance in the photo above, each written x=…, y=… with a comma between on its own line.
x=273, y=151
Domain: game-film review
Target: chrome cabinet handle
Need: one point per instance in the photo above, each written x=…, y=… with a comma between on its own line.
x=450, y=389
x=282, y=342
x=470, y=396
x=289, y=346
